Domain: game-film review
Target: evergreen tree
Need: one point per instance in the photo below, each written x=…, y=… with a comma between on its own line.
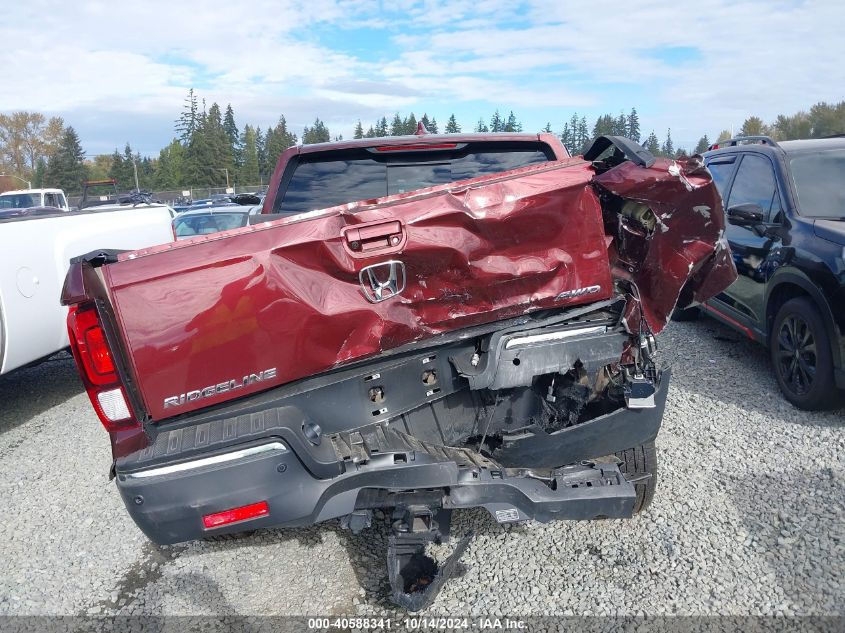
x=621, y=126
x=268, y=151
x=753, y=126
x=359, y=130
x=633, y=126
x=116, y=169
x=452, y=126
x=187, y=123
x=222, y=164
x=827, y=119
x=233, y=135
x=512, y=125
x=426, y=122
x=39, y=173
x=261, y=147
x=567, y=137
x=409, y=125
x=702, y=145
x=668, y=147
x=200, y=160
x=317, y=133
x=168, y=173
x=574, y=123
x=791, y=127
x=123, y=168
x=278, y=139
x=66, y=168
x=583, y=136
x=496, y=122
x=432, y=127
x=371, y=133
x=724, y=135
x=249, y=172
x=548, y=128
x=230, y=127
x=397, y=128
x=605, y=125
x=652, y=144
x=481, y=126
x=381, y=127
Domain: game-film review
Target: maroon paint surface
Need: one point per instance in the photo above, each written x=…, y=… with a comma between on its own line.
x=286, y=294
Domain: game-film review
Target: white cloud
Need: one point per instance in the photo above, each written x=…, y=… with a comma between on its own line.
x=266, y=57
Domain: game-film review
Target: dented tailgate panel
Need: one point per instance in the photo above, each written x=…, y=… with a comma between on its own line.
x=290, y=296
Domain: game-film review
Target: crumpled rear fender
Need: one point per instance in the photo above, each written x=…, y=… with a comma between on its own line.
x=678, y=256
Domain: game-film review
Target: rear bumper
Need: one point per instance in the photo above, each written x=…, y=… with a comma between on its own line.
x=168, y=502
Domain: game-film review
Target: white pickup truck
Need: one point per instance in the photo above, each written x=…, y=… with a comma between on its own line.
x=23, y=198
x=36, y=246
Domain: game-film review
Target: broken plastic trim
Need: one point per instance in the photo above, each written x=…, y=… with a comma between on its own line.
x=627, y=148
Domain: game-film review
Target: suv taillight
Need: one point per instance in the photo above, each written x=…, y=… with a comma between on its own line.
x=96, y=367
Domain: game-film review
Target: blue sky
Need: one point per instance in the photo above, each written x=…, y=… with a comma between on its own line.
x=119, y=72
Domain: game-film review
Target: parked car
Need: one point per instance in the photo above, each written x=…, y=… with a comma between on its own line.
x=212, y=220
x=785, y=207
x=419, y=324
x=37, y=247
x=28, y=198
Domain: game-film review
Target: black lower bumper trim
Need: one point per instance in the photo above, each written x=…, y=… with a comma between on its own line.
x=169, y=505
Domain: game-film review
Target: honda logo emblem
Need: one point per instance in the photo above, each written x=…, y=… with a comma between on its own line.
x=382, y=281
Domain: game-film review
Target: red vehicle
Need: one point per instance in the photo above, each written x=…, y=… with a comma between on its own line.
x=416, y=324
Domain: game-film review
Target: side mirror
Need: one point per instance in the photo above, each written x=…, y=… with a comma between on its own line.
x=749, y=215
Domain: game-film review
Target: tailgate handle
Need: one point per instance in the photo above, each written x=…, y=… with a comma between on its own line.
x=384, y=237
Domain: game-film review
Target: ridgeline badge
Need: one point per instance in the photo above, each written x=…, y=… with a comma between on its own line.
x=221, y=387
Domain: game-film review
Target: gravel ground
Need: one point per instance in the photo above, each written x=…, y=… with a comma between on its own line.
x=748, y=519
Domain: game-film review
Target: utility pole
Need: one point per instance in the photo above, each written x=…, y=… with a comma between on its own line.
x=135, y=168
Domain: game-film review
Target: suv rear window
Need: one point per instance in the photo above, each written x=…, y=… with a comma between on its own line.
x=819, y=182
x=359, y=174
x=205, y=224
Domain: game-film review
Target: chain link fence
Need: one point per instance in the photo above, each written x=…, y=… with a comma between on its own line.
x=185, y=196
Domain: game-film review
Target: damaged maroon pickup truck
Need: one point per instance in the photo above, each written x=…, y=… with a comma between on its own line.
x=414, y=324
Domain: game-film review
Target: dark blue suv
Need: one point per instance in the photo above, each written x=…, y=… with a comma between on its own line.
x=785, y=205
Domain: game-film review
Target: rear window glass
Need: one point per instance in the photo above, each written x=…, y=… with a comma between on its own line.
x=819, y=182
x=188, y=226
x=19, y=201
x=353, y=175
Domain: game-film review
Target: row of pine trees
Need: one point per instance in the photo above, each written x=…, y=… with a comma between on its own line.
x=211, y=150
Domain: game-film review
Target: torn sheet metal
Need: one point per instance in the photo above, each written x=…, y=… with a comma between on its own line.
x=685, y=257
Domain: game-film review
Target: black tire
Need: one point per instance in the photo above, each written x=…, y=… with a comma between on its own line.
x=638, y=461
x=801, y=356
x=686, y=314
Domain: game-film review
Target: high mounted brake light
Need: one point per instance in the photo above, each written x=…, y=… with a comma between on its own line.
x=96, y=368
x=419, y=147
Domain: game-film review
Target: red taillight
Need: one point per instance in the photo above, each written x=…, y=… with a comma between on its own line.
x=715, y=146
x=235, y=515
x=95, y=341
x=84, y=329
x=417, y=147
x=96, y=367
